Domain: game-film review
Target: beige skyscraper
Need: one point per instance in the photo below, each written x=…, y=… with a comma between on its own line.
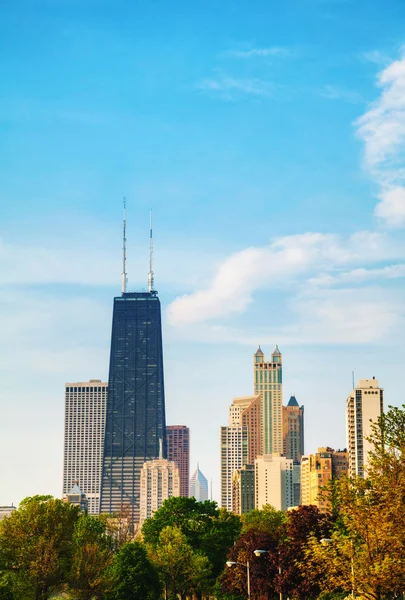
x=274, y=481
x=364, y=405
x=268, y=383
x=85, y=409
x=160, y=480
x=317, y=470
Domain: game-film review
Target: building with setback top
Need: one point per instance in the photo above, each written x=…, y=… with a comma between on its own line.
x=268, y=382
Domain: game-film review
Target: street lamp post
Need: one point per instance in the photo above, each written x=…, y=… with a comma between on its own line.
x=229, y=563
x=259, y=553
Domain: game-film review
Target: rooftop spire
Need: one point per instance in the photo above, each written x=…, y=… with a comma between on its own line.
x=150, y=274
x=124, y=278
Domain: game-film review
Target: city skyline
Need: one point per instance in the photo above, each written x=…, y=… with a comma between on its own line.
x=260, y=139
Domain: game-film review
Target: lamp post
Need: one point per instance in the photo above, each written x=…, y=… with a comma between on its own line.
x=259, y=553
x=229, y=563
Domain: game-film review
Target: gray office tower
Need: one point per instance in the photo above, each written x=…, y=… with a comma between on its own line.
x=135, y=416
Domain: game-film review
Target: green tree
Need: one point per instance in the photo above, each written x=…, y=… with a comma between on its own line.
x=209, y=530
x=182, y=570
x=36, y=544
x=92, y=555
x=134, y=576
x=267, y=519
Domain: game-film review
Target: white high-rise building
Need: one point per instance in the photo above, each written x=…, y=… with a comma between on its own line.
x=234, y=454
x=363, y=406
x=268, y=382
x=274, y=481
x=198, y=485
x=160, y=480
x=85, y=407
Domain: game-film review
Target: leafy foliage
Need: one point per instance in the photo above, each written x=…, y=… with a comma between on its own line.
x=134, y=577
x=35, y=546
x=92, y=555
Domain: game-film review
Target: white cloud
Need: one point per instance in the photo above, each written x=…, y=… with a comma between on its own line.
x=382, y=128
x=376, y=57
x=259, y=52
x=333, y=92
x=283, y=263
x=230, y=88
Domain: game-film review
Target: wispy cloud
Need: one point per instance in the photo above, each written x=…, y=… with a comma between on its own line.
x=376, y=57
x=259, y=52
x=288, y=261
x=333, y=92
x=230, y=88
x=382, y=128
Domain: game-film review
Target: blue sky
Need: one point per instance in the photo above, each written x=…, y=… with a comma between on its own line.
x=267, y=137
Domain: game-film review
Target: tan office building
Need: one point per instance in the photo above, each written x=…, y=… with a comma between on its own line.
x=274, y=481
x=268, y=383
x=160, y=480
x=245, y=411
x=317, y=470
x=364, y=405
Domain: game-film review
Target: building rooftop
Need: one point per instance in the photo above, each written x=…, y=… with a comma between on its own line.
x=293, y=401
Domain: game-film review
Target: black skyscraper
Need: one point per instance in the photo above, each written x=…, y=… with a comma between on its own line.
x=135, y=419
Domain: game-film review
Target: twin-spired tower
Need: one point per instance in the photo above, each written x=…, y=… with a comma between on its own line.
x=135, y=415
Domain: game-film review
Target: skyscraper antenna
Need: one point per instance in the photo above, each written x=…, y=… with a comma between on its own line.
x=124, y=278
x=353, y=378
x=150, y=274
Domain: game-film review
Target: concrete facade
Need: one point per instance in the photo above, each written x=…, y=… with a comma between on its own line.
x=363, y=406
x=85, y=409
x=317, y=470
x=160, y=480
x=243, y=490
x=274, y=481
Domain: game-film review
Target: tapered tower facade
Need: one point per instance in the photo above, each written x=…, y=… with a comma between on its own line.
x=268, y=382
x=135, y=415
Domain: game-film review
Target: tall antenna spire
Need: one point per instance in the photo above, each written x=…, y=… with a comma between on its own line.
x=150, y=274
x=124, y=278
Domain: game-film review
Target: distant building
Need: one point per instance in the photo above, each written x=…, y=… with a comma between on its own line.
x=76, y=497
x=234, y=454
x=178, y=451
x=293, y=430
x=268, y=379
x=317, y=470
x=199, y=486
x=363, y=406
x=160, y=480
x=6, y=511
x=245, y=411
x=274, y=481
x=85, y=409
x=243, y=490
